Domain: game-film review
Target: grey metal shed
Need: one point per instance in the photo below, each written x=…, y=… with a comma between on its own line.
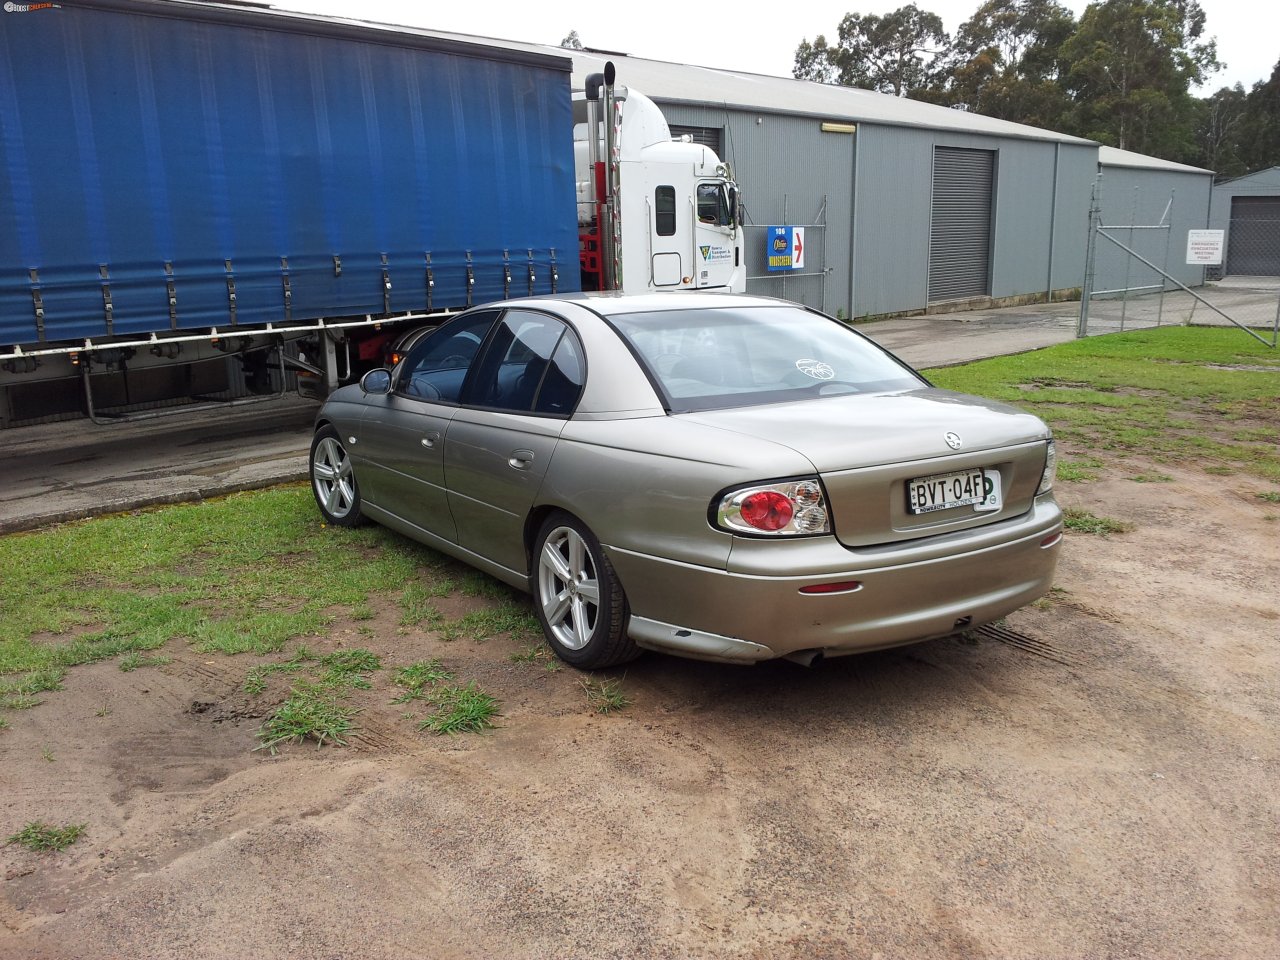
x=1248, y=209
x=1135, y=191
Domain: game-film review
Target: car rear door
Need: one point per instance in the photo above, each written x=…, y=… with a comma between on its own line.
x=501, y=440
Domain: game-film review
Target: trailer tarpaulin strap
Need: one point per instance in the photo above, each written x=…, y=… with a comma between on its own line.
x=167, y=142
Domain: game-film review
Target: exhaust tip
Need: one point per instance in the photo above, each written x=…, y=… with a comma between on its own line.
x=806, y=658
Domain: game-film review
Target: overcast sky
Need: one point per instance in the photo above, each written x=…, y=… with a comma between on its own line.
x=753, y=36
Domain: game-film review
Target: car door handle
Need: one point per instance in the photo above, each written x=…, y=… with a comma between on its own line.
x=520, y=459
x=430, y=439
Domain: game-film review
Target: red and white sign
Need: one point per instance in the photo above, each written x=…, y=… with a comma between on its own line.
x=797, y=248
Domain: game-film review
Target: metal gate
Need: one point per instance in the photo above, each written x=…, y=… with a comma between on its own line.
x=960, y=223
x=1151, y=296
x=807, y=285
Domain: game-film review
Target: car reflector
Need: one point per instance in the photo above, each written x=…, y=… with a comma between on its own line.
x=842, y=586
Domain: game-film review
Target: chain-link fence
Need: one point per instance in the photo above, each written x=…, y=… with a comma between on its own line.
x=808, y=284
x=1142, y=275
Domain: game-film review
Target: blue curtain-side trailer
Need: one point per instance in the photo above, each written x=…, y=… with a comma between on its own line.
x=211, y=201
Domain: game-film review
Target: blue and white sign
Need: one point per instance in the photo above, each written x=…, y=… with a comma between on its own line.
x=784, y=248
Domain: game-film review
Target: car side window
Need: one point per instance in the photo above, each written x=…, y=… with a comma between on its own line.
x=563, y=382
x=437, y=367
x=527, y=368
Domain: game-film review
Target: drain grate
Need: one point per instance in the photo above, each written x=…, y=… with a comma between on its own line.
x=1041, y=648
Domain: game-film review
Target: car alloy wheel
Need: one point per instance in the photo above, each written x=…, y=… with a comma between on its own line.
x=577, y=597
x=333, y=481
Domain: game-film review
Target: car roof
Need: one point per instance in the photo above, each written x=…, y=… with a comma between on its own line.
x=615, y=303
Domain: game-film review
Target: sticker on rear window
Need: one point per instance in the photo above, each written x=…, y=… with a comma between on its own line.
x=816, y=369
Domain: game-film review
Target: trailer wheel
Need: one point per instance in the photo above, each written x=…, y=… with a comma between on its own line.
x=333, y=481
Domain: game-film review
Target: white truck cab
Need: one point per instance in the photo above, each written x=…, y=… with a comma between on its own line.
x=653, y=213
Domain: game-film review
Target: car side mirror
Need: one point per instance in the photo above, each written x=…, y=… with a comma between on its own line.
x=376, y=381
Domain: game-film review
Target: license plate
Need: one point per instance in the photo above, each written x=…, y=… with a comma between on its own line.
x=946, y=491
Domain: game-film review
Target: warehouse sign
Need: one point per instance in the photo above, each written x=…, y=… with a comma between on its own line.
x=784, y=248
x=1204, y=247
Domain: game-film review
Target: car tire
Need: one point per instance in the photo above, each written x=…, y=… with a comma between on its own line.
x=333, y=481
x=577, y=596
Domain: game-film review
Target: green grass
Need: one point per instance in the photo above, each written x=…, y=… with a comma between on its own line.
x=311, y=712
x=416, y=602
x=41, y=680
x=1079, y=469
x=250, y=573
x=1270, y=496
x=417, y=677
x=20, y=702
x=511, y=617
x=255, y=682
x=37, y=836
x=537, y=652
x=461, y=709
x=605, y=696
x=132, y=661
x=1151, y=478
x=1082, y=521
x=1174, y=395
x=350, y=668
x=4, y=723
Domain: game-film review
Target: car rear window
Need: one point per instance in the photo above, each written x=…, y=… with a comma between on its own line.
x=717, y=358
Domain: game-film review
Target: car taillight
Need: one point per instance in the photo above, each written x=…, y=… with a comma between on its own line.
x=791, y=508
x=1050, y=469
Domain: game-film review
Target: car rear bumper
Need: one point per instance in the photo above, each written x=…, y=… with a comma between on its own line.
x=904, y=593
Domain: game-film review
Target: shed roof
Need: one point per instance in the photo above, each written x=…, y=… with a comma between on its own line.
x=1113, y=157
x=686, y=83
x=1268, y=178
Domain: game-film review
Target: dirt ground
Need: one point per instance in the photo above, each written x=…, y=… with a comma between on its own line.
x=1104, y=782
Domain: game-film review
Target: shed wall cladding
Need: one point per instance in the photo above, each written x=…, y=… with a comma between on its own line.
x=960, y=223
x=894, y=215
x=786, y=163
x=1077, y=168
x=712, y=137
x=1131, y=197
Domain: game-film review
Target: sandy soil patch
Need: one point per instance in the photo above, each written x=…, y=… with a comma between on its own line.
x=1112, y=790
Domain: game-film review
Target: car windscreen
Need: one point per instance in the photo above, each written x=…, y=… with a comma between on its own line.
x=721, y=357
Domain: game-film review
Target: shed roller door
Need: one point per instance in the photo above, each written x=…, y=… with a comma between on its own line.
x=1253, y=244
x=960, y=231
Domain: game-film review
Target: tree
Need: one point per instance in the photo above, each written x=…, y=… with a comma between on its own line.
x=1132, y=63
x=1219, y=125
x=572, y=41
x=892, y=54
x=1260, y=133
x=1005, y=62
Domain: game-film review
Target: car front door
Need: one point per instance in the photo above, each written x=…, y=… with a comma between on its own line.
x=501, y=440
x=403, y=433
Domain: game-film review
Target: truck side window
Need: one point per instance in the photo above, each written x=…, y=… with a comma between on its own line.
x=664, y=208
x=712, y=206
